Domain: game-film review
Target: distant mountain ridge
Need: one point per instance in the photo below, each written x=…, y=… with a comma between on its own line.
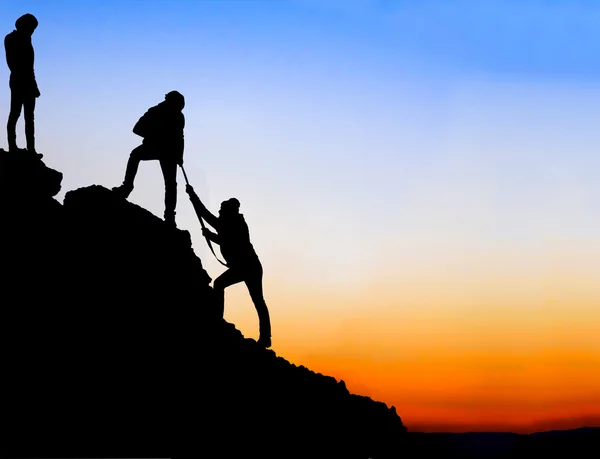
x=574, y=444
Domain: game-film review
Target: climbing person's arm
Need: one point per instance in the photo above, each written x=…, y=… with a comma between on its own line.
x=210, y=235
x=200, y=208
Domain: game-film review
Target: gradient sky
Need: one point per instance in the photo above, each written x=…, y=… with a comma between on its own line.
x=419, y=179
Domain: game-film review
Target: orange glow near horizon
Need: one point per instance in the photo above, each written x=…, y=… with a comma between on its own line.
x=471, y=353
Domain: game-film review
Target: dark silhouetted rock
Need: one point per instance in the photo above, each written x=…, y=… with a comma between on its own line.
x=111, y=348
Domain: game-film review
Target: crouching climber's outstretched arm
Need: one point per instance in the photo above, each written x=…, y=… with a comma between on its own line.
x=210, y=235
x=201, y=210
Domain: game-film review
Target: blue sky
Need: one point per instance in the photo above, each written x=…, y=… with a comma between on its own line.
x=368, y=141
x=339, y=120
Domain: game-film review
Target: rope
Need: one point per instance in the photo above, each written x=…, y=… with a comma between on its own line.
x=202, y=223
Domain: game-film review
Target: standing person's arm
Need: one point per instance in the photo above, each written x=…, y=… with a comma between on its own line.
x=179, y=147
x=36, y=88
x=10, y=53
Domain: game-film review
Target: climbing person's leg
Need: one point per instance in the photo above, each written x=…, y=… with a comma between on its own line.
x=141, y=153
x=229, y=277
x=253, y=280
x=169, y=170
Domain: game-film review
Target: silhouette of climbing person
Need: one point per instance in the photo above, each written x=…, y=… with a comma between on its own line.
x=162, y=130
x=243, y=264
x=23, y=85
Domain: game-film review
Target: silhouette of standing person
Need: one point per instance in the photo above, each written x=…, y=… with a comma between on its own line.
x=162, y=129
x=233, y=238
x=23, y=85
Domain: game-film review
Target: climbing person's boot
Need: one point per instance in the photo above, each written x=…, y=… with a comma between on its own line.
x=123, y=190
x=265, y=333
x=264, y=327
x=264, y=341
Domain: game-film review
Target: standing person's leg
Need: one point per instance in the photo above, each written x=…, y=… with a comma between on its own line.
x=141, y=153
x=169, y=170
x=229, y=277
x=29, y=109
x=253, y=279
x=16, y=102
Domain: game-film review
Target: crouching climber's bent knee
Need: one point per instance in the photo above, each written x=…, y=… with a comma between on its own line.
x=218, y=285
x=229, y=277
x=222, y=282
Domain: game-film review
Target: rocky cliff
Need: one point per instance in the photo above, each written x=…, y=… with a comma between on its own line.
x=111, y=348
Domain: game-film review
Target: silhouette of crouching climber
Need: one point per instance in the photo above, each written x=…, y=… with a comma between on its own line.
x=162, y=129
x=244, y=265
